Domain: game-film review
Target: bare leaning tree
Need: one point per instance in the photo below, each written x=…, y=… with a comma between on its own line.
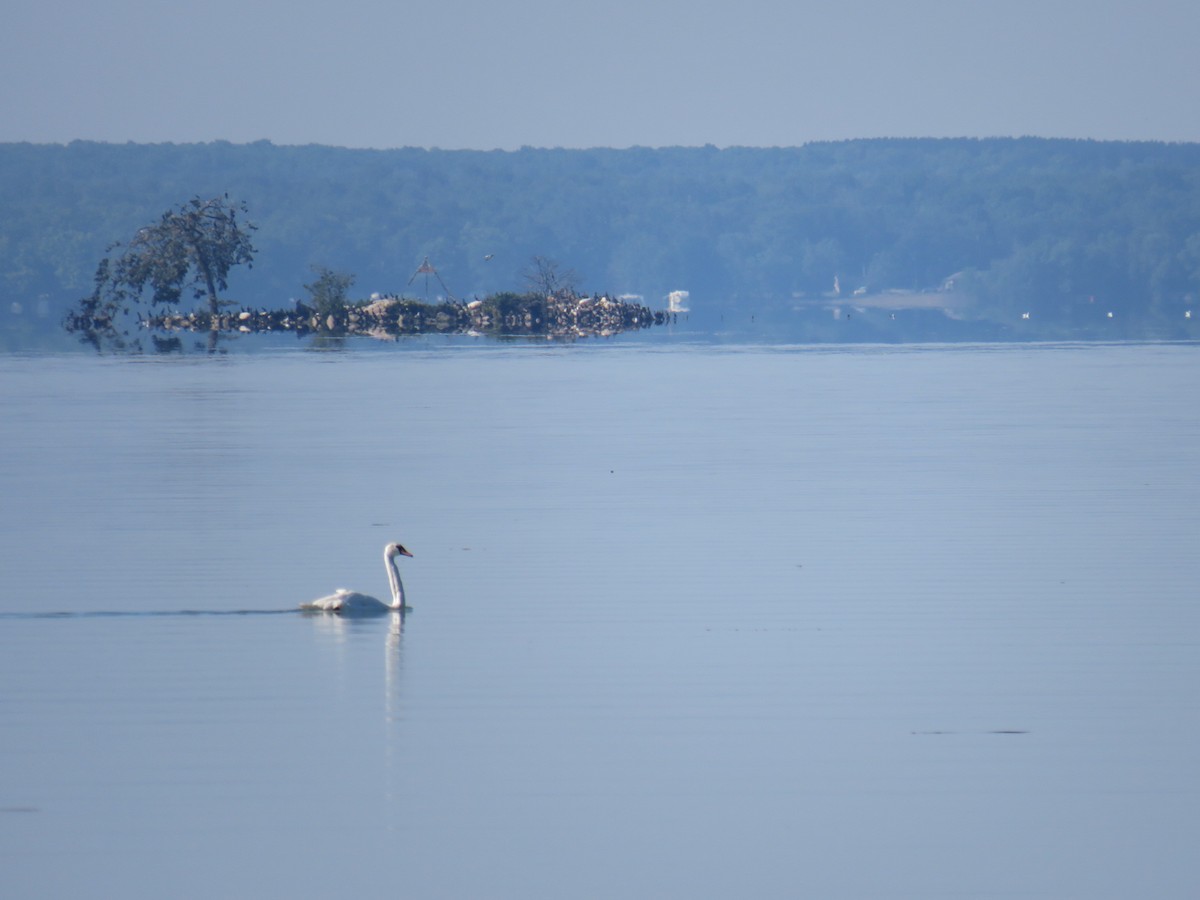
x=546, y=277
x=192, y=247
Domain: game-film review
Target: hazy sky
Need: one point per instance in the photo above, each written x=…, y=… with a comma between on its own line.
x=553, y=73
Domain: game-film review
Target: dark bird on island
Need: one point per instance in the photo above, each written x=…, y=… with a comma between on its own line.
x=348, y=602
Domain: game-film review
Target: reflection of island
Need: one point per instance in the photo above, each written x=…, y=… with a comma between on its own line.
x=563, y=315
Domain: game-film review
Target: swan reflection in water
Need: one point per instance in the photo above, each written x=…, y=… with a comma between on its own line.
x=352, y=603
x=342, y=632
x=341, y=629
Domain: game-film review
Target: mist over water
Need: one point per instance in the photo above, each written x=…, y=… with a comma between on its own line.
x=769, y=622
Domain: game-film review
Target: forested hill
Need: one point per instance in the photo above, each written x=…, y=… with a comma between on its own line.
x=1050, y=229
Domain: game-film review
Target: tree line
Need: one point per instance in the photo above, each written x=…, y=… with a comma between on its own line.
x=1055, y=227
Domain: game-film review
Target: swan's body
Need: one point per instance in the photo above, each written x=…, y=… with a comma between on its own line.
x=353, y=603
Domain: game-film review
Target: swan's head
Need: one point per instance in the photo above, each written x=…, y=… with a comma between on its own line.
x=395, y=550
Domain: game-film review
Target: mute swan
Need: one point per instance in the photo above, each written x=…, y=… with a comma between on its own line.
x=352, y=602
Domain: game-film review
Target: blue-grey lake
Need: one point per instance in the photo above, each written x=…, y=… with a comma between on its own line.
x=687, y=621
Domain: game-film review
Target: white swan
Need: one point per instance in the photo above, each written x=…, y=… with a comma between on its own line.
x=352, y=602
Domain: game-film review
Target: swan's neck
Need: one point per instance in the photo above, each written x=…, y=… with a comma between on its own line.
x=394, y=580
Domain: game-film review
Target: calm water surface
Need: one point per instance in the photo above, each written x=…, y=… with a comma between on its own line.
x=687, y=622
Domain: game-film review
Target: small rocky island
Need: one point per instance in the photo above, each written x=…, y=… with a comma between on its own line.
x=194, y=246
x=555, y=316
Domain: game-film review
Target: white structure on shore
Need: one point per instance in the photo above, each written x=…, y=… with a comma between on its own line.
x=677, y=301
